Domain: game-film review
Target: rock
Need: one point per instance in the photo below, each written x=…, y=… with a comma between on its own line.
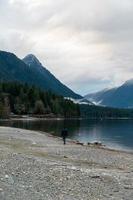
x=33, y=143
x=65, y=157
x=79, y=143
x=6, y=176
x=128, y=188
x=98, y=143
x=96, y=176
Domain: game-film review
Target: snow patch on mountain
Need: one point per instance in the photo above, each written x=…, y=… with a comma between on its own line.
x=80, y=101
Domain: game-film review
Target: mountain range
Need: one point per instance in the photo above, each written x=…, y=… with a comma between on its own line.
x=31, y=71
x=118, y=97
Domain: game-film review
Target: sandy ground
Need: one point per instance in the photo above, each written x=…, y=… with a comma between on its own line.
x=36, y=166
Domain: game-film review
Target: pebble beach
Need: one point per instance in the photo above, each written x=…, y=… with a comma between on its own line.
x=37, y=166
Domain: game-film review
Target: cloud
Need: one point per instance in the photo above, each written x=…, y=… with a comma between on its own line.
x=87, y=44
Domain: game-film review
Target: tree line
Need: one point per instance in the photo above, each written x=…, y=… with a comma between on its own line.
x=22, y=99
x=99, y=112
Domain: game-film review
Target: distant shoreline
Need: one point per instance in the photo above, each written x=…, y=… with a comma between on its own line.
x=49, y=117
x=95, y=143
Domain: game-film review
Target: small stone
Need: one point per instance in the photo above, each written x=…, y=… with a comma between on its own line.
x=65, y=157
x=95, y=176
x=33, y=142
x=6, y=176
x=128, y=188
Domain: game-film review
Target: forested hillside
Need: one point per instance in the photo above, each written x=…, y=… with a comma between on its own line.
x=31, y=71
x=23, y=99
x=99, y=112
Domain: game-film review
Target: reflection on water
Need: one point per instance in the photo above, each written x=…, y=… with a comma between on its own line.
x=113, y=133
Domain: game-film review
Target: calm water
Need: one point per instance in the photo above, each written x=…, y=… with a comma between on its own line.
x=116, y=134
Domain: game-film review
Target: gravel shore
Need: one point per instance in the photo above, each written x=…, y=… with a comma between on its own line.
x=36, y=166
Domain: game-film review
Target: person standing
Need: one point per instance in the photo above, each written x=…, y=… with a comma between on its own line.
x=64, y=135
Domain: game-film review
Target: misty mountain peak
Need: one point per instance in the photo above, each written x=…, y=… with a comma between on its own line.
x=31, y=59
x=30, y=71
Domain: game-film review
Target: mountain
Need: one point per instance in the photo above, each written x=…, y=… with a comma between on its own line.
x=120, y=97
x=30, y=70
x=47, y=79
x=99, y=98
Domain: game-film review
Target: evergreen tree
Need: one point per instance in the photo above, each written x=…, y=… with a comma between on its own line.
x=39, y=107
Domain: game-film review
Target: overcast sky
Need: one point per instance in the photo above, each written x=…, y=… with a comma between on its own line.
x=87, y=44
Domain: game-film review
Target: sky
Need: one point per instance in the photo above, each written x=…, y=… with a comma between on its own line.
x=86, y=44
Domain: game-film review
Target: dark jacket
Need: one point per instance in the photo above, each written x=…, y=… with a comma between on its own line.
x=64, y=133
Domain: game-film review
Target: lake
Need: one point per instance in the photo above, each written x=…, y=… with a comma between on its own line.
x=116, y=134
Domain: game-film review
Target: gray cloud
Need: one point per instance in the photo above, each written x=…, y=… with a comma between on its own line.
x=87, y=44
